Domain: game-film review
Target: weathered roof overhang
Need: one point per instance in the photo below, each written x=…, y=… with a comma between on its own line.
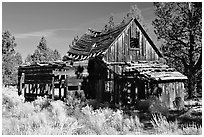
x=155, y=72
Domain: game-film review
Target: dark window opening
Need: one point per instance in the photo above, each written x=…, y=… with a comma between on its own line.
x=134, y=38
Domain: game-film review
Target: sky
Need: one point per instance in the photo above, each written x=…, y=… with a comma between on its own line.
x=60, y=22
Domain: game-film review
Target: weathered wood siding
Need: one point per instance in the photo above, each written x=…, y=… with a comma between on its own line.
x=170, y=91
x=121, y=51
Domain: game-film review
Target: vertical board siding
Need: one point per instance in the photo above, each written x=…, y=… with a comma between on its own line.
x=164, y=96
x=128, y=45
x=121, y=47
x=176, y=88
x=182, y=90
x=170, y=91
x=116, y=51
x=124, y=46
x=140, y=45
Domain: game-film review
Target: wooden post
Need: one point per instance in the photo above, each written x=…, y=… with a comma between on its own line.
x=53, y=88
x=48, y=88
x=43, y=89
x=21, y=83
x=132, y=92
x=20, y=87
x=25, y=88
x=29, y=88
x=114, y=82
x=119, y=91
x=116, y=90
x=36, y=88
x=40, y=88
x=60, y=84
x=33, y=88
x=66, y=86
x=79, y=88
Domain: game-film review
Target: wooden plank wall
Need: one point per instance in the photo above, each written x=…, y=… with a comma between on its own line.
x=38, y=75
x=170, y=91
x=120, y=50
x=54, y=90
x=41, y=81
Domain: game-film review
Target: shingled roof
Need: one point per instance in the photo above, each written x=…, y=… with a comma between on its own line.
x=96, y=43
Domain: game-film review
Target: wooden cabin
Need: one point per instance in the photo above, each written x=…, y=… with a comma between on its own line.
x=56, y=80
x=125, y=65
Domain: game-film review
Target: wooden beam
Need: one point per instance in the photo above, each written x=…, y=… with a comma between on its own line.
x=38, y=82
x=173, y=78
x=117, y=63
x=30, y=95
x=36, y=70
x=38, y=77
x=148, y=38
x=40, y=73
x=63, y=72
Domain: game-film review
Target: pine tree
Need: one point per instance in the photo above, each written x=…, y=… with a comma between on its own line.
x=179, y=26
x=10, y=59
x=43, y=54
x=134, y=12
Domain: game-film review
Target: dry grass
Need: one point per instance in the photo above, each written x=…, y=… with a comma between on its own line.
x=44, y=117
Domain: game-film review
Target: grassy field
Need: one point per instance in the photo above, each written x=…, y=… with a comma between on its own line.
x=73, y=117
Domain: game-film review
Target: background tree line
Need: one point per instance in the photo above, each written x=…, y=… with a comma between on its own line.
x=43, y=54
x=12, y=59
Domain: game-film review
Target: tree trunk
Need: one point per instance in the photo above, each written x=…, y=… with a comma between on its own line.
x=191, y=82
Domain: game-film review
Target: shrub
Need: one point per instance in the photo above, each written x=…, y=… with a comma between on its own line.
x=162, y=126
x=10, y=97
x=73, y=117
x=152, y=105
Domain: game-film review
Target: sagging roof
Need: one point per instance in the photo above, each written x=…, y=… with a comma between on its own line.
x=56, y=68
x=155, y=71
x=54, y=65
x=96, y=43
